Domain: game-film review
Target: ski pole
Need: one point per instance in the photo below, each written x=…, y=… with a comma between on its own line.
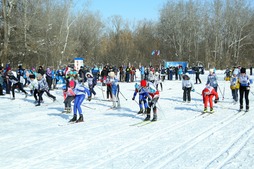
x=162, y=112
x=102, y=91
x=136, y=102
x=89, y=107
x=123, y=95
x=221, y=93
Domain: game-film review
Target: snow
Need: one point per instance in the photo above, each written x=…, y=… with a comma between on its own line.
x=40, y=137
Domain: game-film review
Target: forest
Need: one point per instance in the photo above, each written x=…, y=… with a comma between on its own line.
x=214, y=33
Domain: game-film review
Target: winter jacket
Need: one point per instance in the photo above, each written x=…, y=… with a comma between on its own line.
x=212, y=80
x=81, y=90
x=187, y=83
x=69, y=92
x=33, y=84
x=244, y=80
x=234, y=83
x=43, y=85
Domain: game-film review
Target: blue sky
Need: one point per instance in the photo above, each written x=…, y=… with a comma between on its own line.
x=131, y=10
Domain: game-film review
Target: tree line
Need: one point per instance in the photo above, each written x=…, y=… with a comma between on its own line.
x=215, y=33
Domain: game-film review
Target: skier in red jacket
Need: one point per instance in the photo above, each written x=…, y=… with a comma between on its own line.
x=208, y=93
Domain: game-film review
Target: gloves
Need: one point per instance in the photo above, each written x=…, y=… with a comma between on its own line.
x=183, y=88
x=216, y=101
x=193, y=90
x=133, y=98
x=89, y=98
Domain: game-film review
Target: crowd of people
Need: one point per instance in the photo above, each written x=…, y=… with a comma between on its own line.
x=79, y=85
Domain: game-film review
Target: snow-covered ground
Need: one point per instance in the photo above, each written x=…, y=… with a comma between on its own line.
x=39, y=137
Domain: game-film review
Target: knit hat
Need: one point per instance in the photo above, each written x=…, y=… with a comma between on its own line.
x=72, y=83
x=143, y=83
x=243, y=70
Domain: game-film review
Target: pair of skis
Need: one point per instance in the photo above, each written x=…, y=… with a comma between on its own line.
x=142, y=123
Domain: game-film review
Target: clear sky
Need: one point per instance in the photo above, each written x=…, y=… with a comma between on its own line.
x=131, y=10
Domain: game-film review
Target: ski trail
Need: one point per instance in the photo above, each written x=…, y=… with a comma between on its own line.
x=174, y=153
x=66, y=148
x=232, y=149
x=135, y=144
x=34, y=142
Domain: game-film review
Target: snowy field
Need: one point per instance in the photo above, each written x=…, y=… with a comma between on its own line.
x=40, y=137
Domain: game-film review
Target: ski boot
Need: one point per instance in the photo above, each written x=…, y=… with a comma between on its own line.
x=80, y=119
x=205, y=110
x=74, y=118
x=211, y=110
x=140, y=111
x=147, y=118
x=154, y=114
x=68, y=110
x=154, y=117
x=148, y=115
x=247, y=108
x=241, y=108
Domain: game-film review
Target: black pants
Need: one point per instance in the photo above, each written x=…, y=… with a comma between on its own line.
x=244, y=91
x=14, y=86
x=48, y=94
x=1, y=89
x=49, y=81
x=186, y=94
x=198, y=79
x=68, y=100
x=109, y=91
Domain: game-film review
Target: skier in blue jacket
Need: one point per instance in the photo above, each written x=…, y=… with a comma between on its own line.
x=143, y=94
x=80, y=94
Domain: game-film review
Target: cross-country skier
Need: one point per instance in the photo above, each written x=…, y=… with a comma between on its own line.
x=80, y=94
x=15, y=83
x=212, y=79
x=208, y=93
x=234, y=86
x=91, y=83
x=113, y=82
x=187, y=86
x=69, y=96
x=244, y=81
x=153, y=98
x=43, y=87
x=157, y=81
x=33, y=85
x=143, y=94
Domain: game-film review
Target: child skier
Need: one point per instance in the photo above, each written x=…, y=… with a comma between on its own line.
x=43, y=87
x=234, y=86
x=91, y=83
x=208, y=93
x=157, y=81
x=69, y=96
x=33, y=86
x=244, y=81
x=113, y=82
x=80, y=95
x=212, y=79
x=143, y=94
x=15, y=83
x=153, y=98
x=187, y=86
